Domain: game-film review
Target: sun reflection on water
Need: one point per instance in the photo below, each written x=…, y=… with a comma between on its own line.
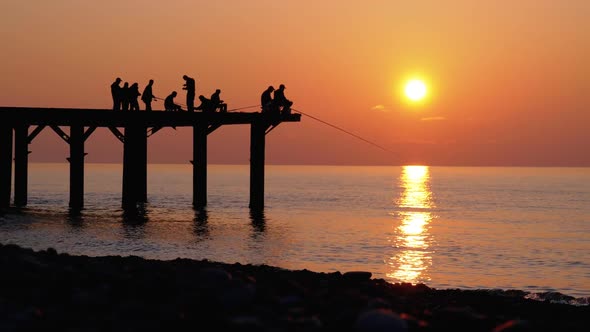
x=411, y=238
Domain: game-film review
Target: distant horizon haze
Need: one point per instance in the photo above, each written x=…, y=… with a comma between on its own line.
x=328, y=165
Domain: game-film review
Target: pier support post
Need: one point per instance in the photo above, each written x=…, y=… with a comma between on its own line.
x=6, y=138
x=21, y=164
x=257, y=146
x=200, y=165
x=76, y=167
x=142, y=164
x=134, y=166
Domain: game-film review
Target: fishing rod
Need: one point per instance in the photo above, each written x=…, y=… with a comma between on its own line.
x=317, y=119
x=329, y=124
x=242, y=108
x=229, y=110
x=181, y=104
x=345, y=131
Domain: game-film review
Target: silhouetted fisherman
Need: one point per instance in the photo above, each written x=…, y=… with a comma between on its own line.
x=147, y=96
x=217, y=102
x=281, y=101
x=189, y=86
x=116, y=93
x=206, y=105
x=125, y=96
x=133, y=96
x=169, y=104
x=266, y=100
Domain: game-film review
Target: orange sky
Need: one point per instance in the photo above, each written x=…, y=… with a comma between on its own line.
x=509, y=80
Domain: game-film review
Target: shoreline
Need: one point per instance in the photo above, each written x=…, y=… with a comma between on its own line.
x=46, y=289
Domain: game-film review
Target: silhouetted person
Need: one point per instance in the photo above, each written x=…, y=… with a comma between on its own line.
x=266, y=100
x=217, y=102
x=147, y=96
x=189, y=86
x=116, y=93
x=133, y=97
x=169, y=104
x=125, y=96
x=281, y=101
x=206, y=105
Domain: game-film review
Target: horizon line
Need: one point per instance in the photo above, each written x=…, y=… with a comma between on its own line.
x=336, y=165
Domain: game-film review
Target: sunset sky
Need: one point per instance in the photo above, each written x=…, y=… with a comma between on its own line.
x=508, y=81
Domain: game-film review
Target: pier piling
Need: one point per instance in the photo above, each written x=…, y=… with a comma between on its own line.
x=200, y=165
x=76, y=160
x=16, y=121
x=6, y=138
x=134, y=166
x=257, y=146
x=21, y=164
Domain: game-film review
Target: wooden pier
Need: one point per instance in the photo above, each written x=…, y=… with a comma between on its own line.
x=20, y=125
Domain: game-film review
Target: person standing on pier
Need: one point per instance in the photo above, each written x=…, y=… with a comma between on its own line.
x=217, y=102
x=116, y=93
x=189, y=86
x=125, y=96
x=133, y=96
x=266, y=100
x=147, y=96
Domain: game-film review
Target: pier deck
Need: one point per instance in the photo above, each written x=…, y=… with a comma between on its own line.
x=20, y=125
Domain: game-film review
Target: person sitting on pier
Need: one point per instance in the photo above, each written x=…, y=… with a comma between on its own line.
x=281, y=101
x=169, y=104
x=206, y=105
x=266, y=101
x=218, y=103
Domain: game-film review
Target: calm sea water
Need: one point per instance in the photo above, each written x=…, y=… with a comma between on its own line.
x=447, y=227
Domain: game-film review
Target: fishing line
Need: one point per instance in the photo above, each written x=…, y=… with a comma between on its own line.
x=229, y=110
x=317, y=119
x=241, y=108
x=345, y=131
x=180, y=104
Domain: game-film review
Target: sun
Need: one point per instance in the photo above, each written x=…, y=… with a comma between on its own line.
x=415, y=89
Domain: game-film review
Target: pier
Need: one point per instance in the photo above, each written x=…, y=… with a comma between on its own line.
x=20, y=125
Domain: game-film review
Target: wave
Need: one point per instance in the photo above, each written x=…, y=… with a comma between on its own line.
x=556, y=297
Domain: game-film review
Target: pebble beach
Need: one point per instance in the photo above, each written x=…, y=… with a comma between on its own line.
x=47, y=290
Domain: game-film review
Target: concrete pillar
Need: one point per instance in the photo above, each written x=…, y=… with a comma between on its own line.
x=6, y=140
x=134, y=166
x=257, y=146
x=76, y=167
x=21, y=164
x=141, y=164
x=200, y=165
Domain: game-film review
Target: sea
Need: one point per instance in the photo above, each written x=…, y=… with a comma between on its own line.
x=492, y=228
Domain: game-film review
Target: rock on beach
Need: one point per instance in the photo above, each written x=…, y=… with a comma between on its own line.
x=47, y=290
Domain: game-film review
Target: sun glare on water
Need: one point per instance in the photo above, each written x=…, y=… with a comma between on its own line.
x=415, y=90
